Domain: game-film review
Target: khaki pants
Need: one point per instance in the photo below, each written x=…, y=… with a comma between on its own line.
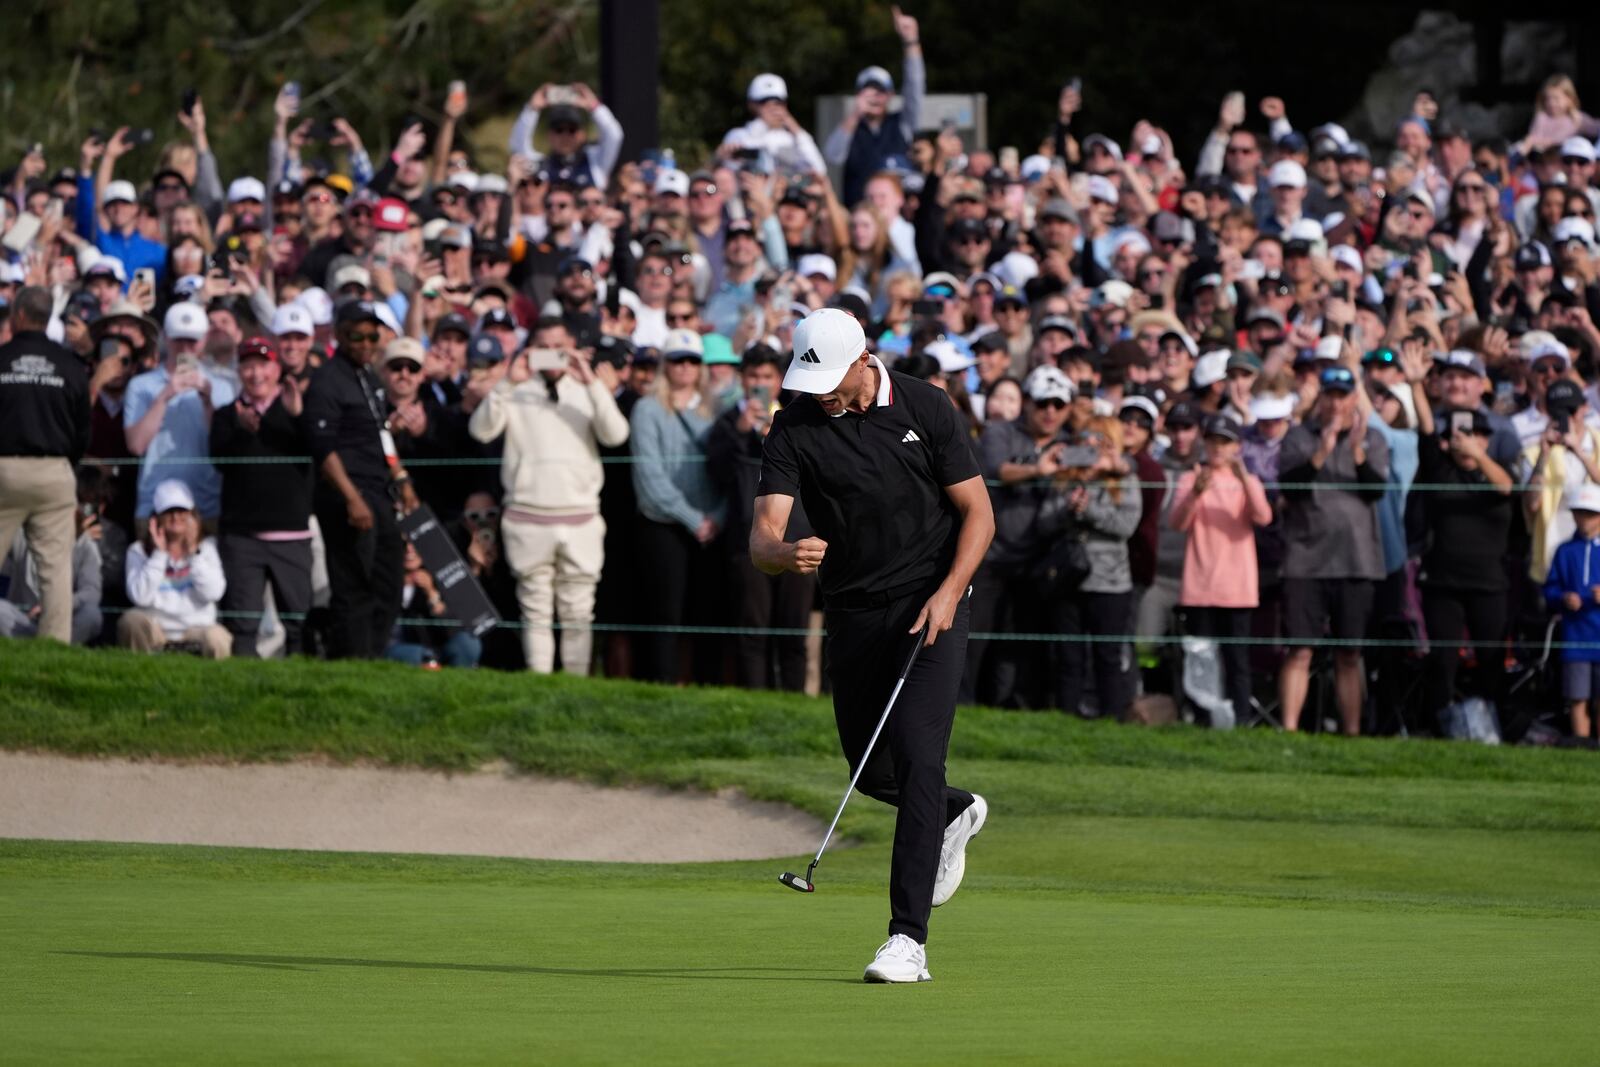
x=40, y=494
x=142, y=632
x=557, y=568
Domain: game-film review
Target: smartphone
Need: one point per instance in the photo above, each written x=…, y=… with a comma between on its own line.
x=1075, y=83
x=20, y=237
x=747, y=155
x=1252, y=270
x=1562, y=422
x=191, y=96
x=55, y=209
x=145, y=276
x=186, y=367
x=1079, y=456
x=1009, y=160
x=292, y=90
x=1339, y=290
x=112, y=346
x=141, y=137
x=1460, y=423
x=545, y=359
x=561, y=94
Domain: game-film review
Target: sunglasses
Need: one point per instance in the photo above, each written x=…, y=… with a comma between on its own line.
x=559, y=205
x=362, y=337
x=1009, y=307
x=1135, y=418
x=1548, y=368
x=1241, y=150
x=676, y=319
x=360, y=212
x=481, y=516
x=685, y=359
x=1054, y=404
x=563, y=128
x=405, y=366
x=287, y=216
x=972, y=240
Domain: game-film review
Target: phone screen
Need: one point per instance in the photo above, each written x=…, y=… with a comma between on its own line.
x=545, y=359
x=1460, y=423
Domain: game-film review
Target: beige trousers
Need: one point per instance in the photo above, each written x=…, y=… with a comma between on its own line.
x=557, y=569
x=142, y=632
x=40, y=494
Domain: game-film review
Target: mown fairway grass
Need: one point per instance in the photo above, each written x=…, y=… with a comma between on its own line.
x=1167, y=897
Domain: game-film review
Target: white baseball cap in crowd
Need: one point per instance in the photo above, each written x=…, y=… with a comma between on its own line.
x=1578, y=148
x=1114, y=292
x=1330, y=348
x=1287, y=173
x=1018, y=269
x=767, y=87
x=172, y=495
x=1271, y=406
x=189, y=286
x=875, y=77
x=951, y=359
x=1034, y=167
x=1345, y=255
x=1048, y=383
x=1113, y=149
x=186, y=321
x=1573, y=228
x=814, y=263
x=672, y=182
x=318, y=304
x=246, y=189
x=465, y=180
x=682, y=342
x=292, y=318
x=386, y=315
x=120, y=192
x=1585, y=497
x=1102, y=188
x=111, y=265
x=352, y=274
x=491, y=184
x=1210, y=368
x=1309, y=230
x=1542, y=344
x=826, y=343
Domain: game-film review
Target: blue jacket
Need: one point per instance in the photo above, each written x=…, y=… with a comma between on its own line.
x=1576, y=569
x=135, y=250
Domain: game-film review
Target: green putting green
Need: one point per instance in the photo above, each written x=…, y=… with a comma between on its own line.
x=1139, y=897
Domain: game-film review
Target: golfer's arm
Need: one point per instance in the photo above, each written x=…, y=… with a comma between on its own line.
x=768, y=550
x=971, y=499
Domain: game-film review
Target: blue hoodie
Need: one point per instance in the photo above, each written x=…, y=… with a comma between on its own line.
x=1576, y=569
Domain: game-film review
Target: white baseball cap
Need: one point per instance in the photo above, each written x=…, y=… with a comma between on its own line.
x=1578, y=148
x=120, y=192
x=491, y=184
x=767, y=87
x=292, y=318
x=1211, y=368
x=172, y=494
x=951, y=359
x=1573, y=228
x=1048, y=383
x=246, y=189
x=1542, y=344
x=464, y=180
x=353, y=274
x=1347, y=256
x=1585, y=497
x=1286, y=172
x=1102, y=188
x=817, y=263
x=386, y=315
x=673, y=181
x=186, y=321
x=1303, y=229
x=111, y=265
x=826, y=343
x=318, y=303
x=681, y=341
x=1272, y=406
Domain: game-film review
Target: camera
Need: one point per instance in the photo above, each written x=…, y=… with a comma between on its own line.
x=1339, y=290
x=139, y=138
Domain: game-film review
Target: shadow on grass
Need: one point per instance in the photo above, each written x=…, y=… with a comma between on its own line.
x=306, y=963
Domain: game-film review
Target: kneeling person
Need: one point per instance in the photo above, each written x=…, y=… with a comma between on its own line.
x=884, y=469
x=174, y=581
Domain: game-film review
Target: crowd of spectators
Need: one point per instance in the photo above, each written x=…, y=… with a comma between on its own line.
x=1288, y=421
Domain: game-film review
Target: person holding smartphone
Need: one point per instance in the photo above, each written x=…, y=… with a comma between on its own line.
x=553, y=410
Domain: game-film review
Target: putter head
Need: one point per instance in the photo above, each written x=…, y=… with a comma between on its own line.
x=797, y=883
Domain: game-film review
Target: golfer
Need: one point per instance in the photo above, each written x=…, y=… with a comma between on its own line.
x=887, y=476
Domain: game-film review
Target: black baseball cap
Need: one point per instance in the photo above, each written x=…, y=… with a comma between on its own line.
x=1183, y=413
x=357, y=311
x=499, y=318
x=1384, y=356
x=485, y=349
x=1338, y=380
x=1563, y=395
x=1220, y=425
x=453, y=322
x=613, y=350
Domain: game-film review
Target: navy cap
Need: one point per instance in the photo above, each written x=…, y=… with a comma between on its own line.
x=1183, y=413
x=358, y=311
x=648, y=354
x=1563, y=395
x=1338, y=380
x=1220, y=425
x=572, y=263
x=613, y=350
x=485, y=349
x=499, y=318
x=453, y=322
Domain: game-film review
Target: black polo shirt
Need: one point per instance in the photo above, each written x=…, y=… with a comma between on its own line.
x=873, y=486
x=344, y=411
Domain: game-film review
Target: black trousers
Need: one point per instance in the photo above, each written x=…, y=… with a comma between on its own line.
x=776, y=601
x=1451, y=615
x=365, y=572
x=1001, y=673
x=866, y=651
x=1233, y=655
x=249, y=564
x=1099, y=615
x=678, y=582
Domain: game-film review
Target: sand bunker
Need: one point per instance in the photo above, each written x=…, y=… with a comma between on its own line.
x=492, y=812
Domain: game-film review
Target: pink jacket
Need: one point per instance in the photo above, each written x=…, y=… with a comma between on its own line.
x=1219, y=563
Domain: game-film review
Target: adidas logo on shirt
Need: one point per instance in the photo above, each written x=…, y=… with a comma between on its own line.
x=910, y=438
x=810, y=356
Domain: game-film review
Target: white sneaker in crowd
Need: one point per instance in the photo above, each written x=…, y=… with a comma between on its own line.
x=953, y=857
x=899, y=959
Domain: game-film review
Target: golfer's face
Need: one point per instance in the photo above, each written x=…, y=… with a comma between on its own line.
x=833, y=403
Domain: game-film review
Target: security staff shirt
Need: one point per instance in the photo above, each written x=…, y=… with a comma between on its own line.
x=44, y=399
x=873, y=485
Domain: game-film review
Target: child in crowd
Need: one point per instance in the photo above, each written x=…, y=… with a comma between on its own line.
x=1573, y=588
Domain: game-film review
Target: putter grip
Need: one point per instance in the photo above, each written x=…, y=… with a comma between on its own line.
x=916, y=647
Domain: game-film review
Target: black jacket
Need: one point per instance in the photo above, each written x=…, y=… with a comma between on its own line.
x=44, y=399
x=262, y=496
x=733, y=459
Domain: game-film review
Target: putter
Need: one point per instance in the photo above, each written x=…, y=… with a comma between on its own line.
x=806, y=885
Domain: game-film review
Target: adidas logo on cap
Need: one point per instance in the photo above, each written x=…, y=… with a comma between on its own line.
x=810, y=356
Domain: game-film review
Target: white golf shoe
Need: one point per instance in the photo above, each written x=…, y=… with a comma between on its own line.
x=953, y=857
x=900, y=959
